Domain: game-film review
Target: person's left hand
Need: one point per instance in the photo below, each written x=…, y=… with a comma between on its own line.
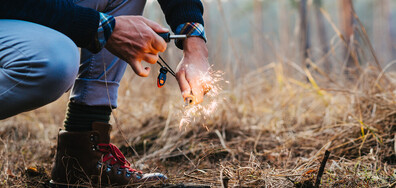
x=192, y=73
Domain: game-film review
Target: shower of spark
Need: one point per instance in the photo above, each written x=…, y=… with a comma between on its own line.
x=193, y=113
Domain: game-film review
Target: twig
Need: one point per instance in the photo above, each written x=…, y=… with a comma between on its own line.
x=190, y=176
x=187, y=157
x=392, y=185
x=224, y=180
x=288, y=178
x=322, y=167
x=395, y=143
x=224, y=144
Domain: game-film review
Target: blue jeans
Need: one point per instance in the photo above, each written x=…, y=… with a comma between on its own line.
x=39, y=64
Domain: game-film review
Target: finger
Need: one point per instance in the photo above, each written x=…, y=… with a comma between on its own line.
x=150, y=58
x=139, y=70
x=155, y=26
x=197, y=91
x=183, y=84
x=158, y=44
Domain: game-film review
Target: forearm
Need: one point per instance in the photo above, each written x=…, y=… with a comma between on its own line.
x=195, y=46
x=186, y=17
x=78, y=23
x=181, y=11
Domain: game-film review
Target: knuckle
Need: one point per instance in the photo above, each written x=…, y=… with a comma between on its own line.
x=151, y=61
x=146, y=34
x=163, y=47
x=147, y=46
x=155, y=59
x=179, y=73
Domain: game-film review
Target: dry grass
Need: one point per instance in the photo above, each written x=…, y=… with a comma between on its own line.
x=269, y=132
x=271, y=128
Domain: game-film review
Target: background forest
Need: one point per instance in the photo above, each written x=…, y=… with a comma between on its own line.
x=296, y=78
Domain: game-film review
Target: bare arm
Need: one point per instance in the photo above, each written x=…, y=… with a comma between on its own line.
x=192, y=68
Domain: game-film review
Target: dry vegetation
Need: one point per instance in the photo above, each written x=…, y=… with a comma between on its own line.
x=266, y=132
x=271, y=128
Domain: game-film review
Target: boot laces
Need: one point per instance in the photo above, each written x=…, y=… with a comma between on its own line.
x=114, y=155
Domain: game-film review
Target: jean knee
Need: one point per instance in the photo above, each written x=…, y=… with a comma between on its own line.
x=61, y=66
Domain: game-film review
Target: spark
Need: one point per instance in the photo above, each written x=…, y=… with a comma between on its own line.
x=193, y=113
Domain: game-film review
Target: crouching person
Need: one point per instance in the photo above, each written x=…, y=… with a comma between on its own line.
x=39, y=61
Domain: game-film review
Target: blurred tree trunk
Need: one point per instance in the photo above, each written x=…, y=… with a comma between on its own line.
x=258, y=29
x=382, y=33
x=347, y=26
x=285, y=37
x=322, y=35
x=304, y=35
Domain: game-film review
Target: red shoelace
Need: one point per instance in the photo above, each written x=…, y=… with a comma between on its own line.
x=114, y=155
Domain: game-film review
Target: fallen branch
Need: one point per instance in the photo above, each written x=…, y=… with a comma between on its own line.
x=322, y=167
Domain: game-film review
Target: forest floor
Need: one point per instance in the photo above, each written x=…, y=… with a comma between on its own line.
x=270, y=132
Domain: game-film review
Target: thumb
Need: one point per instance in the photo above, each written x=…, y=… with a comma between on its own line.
x=155, y=26
x=183, y=84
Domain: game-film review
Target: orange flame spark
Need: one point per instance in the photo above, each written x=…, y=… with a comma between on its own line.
x=204, y=110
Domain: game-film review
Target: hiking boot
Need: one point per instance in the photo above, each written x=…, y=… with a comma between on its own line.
x=86, y=159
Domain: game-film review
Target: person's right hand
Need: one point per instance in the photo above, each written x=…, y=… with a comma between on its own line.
x=135, y=39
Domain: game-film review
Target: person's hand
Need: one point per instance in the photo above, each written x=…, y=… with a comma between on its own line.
x=192, y=73
x=135, y=39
